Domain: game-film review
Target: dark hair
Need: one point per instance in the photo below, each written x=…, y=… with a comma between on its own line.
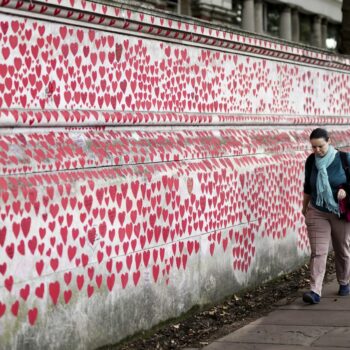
x=319, y=133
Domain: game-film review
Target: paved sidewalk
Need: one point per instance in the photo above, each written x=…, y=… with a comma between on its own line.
x=325, y=326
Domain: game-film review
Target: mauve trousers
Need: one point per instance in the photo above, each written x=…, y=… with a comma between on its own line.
x=322, y=227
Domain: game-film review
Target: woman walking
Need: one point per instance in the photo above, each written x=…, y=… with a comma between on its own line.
x=325, y=180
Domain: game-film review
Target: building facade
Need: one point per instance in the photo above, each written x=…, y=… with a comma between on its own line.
x=313, y=22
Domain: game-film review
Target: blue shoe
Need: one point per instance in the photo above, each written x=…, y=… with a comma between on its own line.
x=311, y=298
x=344, y=290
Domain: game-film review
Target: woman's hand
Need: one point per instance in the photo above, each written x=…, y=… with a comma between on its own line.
x=306, y=200
x=341, y=194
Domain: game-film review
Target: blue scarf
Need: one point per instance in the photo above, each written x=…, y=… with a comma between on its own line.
x=324, y=191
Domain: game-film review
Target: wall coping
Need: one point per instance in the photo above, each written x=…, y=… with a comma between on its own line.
x=155, y=24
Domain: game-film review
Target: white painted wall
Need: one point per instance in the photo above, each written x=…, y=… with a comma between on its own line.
x=111, y=227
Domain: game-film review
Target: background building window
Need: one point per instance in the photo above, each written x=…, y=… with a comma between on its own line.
x=171, y=5
x=305, y=28
x=332, y=40
x=272, y=15
x=237, y=6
